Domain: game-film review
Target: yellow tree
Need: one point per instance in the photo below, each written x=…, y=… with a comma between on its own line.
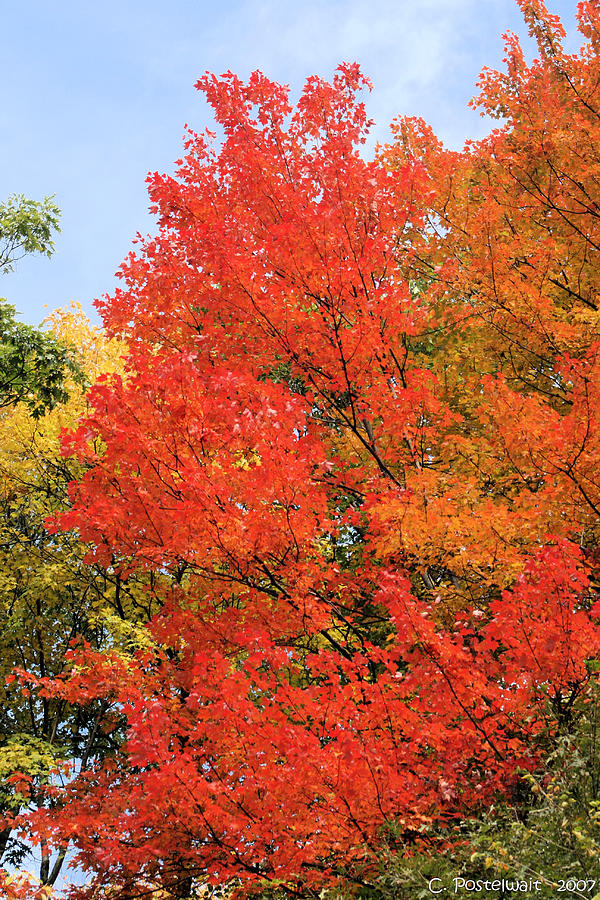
x=49, y=595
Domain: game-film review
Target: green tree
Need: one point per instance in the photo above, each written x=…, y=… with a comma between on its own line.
x=26, y=226
x=34, y=365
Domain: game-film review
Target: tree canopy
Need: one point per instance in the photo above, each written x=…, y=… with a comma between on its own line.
x=352, y=457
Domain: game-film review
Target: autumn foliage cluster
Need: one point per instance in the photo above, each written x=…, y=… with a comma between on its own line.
x=352, y=458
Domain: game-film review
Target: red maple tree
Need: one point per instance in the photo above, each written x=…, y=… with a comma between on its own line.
x=357, y=431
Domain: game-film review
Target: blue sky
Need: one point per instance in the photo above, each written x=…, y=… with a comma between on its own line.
x=97, y=95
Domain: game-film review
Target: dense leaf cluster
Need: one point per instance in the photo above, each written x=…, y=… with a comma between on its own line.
x=347, y=477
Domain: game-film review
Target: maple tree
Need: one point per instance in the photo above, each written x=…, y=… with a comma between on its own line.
x=512, y=238
x=355, y=439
